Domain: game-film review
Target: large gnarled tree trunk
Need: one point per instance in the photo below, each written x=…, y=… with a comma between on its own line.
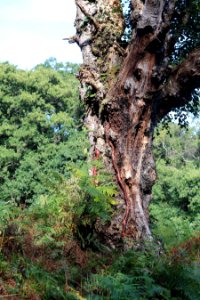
x=128, y=87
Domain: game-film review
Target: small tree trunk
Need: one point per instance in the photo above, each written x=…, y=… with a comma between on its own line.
x=119, y=85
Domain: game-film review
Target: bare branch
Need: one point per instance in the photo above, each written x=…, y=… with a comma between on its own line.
x=72, y=39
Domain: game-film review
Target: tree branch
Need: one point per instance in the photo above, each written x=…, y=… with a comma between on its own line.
x=181, y=83
x=72, y=39
x=88, y=14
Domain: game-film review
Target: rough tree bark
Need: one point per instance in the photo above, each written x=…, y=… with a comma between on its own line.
x=128, y=87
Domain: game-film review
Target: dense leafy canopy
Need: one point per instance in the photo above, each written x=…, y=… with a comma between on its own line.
x=40, y=129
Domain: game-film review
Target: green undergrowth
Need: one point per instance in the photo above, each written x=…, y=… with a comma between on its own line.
x=49, y=250
x=141, y=274
x=147, y=274
x=45, y=248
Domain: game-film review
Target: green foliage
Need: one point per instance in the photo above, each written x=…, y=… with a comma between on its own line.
x=72, y=203
x=53, y=214
x=28, y=280
x=175, y=205
x=99, y=191
x=178, y=186
x=145, y=275
x=43, y=149
x=141, y=274
x=40, y=129
x=68, y=205
x=170, y=225
x=177, y=146
x=8, y=211
x=47, y=230
x=178, y=168
x=61, y=67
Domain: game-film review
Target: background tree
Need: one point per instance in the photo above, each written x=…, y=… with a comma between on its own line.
x=138, y=65
x=40, y=127
x=175, y=205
